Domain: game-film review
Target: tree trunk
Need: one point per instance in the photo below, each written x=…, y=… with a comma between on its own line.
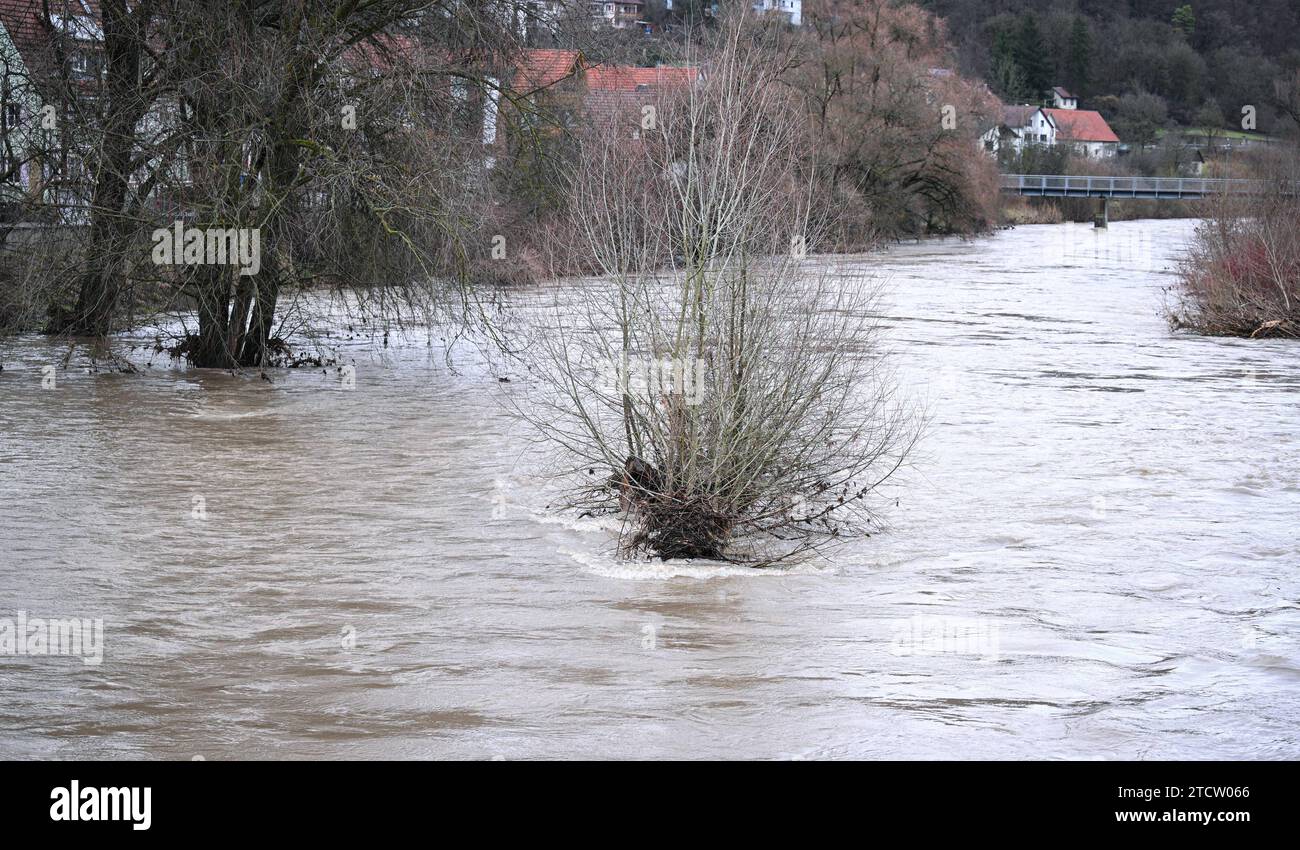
x=212, y=348
x=102, y=281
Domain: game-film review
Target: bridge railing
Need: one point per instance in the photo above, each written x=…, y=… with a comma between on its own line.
x=1164, y=187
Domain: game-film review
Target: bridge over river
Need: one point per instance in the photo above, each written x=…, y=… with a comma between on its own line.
x=1148, y=188
x=1151, y=188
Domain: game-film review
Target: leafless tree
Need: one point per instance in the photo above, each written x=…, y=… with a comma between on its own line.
x=722, y=391
x=346, y=134
x=349, y=135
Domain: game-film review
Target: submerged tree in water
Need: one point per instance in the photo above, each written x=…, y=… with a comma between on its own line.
x=349, y=138
x=336, y=135
x=721, y=390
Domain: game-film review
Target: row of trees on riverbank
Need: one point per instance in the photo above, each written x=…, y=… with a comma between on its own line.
x=329, y=128
x=354, y=137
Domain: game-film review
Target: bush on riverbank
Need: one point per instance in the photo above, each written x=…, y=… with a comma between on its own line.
x=1241, y=276
x=1019, y=210
x=35, y=264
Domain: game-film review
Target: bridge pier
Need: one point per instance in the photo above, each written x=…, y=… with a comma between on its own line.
x=1102, y=218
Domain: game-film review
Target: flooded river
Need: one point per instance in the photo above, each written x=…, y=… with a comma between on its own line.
x=1095, y=554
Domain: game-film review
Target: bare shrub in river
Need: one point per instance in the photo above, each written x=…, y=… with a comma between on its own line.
x=721, y=391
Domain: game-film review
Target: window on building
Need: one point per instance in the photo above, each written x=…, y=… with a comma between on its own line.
x=85, y=65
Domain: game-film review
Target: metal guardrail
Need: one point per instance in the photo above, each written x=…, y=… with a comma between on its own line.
x=1160, y=188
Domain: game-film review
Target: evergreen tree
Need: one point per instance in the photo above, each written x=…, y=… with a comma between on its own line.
x=1008, y=81
x=1080, y=58
x=1029, y=55
x=1185, y=20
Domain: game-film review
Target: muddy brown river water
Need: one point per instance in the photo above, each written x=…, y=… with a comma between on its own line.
x=1096, y=553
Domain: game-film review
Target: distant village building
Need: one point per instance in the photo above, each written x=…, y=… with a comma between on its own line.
x=631, y=14
x=622, y=14
x=1062, y=99
x=576, y=92
x=53, y=61
x=1020, y=126
x=1085, y=131
x=792, y=9
x=612, y=91
x=19, y=112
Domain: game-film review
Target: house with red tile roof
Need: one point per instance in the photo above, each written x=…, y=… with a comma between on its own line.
x=616, y=91
x=540, y=69
x=1086, y=131
x=1083, y=130
x=571, y=92
x=627, y=78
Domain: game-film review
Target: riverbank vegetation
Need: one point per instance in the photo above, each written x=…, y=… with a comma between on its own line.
x=1241, y=276
x=893, y=128
x=411, y=148
x=338, y=135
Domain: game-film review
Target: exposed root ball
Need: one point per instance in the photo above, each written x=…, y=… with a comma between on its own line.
x=670, y=524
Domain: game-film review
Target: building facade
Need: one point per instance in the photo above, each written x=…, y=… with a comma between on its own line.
x=1086, y=132
x=792, y=9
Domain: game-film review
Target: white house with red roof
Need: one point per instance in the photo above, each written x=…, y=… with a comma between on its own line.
x=1063, y=123
x=1086, y=131
x=51, y=62
x=1062, y=99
